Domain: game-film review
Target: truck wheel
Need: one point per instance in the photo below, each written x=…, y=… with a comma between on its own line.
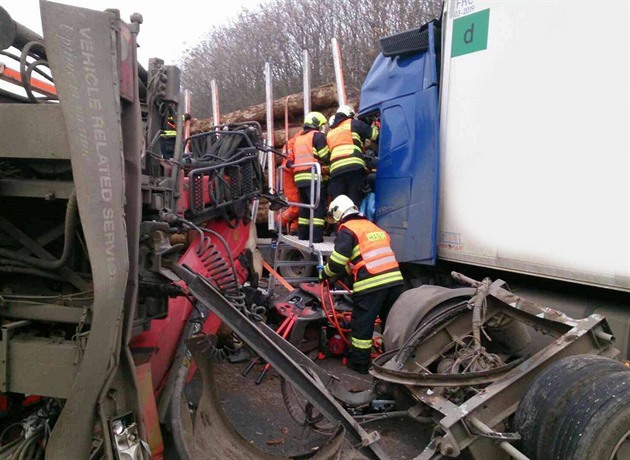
x=596, y=424
x=549, y=395
x=200, y=428
x=297, y=270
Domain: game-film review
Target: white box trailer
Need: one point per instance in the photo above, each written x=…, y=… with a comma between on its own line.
x=534, y=139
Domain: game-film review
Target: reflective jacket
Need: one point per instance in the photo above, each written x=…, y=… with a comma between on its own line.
x=364, y=250
x=345, y=142
x=310, y=146
x=290, y=190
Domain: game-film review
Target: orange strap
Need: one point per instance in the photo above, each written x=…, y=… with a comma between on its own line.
x=284, y=283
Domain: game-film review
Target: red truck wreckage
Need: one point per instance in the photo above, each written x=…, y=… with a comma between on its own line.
x=127, y=274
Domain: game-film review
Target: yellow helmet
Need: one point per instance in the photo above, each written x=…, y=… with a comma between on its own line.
x=314, y=120
x=341, y=207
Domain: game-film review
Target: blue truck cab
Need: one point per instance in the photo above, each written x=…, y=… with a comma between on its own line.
x=402, y=87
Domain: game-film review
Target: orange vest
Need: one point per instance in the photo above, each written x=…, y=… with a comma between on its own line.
x=339, y=140
x=303, y=151
x=374, y=246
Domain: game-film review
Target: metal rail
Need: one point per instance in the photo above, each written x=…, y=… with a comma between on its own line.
x=339, y=80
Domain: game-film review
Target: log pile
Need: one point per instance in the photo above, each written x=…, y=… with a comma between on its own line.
x=323, y=99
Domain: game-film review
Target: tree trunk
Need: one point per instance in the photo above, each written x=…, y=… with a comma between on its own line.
x=280, y=135
x=322, y=97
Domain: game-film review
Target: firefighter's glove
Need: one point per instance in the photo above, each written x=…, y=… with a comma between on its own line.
x=289, y=164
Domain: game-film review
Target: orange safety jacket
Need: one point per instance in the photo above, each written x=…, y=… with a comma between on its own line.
x=304, y=154
x=346, y=147
x=374, y=253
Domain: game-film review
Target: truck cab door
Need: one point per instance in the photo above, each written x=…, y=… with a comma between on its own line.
x=404, y=89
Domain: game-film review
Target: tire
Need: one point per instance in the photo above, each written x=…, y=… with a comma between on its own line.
x=545, y=402
x=297, y=270
x=596, y=422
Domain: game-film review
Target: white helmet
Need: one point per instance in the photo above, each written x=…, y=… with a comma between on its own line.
x=341, y=207
x=346, y=110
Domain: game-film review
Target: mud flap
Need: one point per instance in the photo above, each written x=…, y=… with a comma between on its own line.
x=81, y=49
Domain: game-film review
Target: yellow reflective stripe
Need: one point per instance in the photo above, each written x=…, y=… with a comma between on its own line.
x=342, y=151
x=356, y=137
x=345, y=162
x=328, y=271
x=169, y=133
x=318, y=222
x=338, y=258
x=307, y=176
x=356, y=251
x=304, y=221
x=374, y=133
x=376, y=281
x=321, y=153
x=362, y=344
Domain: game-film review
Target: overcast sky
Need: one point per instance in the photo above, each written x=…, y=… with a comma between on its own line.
x=169, y=26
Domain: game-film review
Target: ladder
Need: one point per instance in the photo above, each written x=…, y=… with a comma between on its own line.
x=300, y=255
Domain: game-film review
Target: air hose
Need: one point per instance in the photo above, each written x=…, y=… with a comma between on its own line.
x=222, y=270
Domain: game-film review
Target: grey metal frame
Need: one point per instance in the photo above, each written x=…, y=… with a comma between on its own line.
x=461, y=426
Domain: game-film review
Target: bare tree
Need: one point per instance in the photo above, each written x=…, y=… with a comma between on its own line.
x=277, y=32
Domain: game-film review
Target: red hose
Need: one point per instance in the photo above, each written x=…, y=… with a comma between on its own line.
x=332, y=316
x=324, y=288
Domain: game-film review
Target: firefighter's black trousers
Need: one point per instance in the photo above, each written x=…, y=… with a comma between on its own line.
x=305, y=215
x=348, y=183
x=366, y=307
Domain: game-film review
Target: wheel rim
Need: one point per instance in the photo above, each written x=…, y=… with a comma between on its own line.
x=622, y=448
x=294, y=271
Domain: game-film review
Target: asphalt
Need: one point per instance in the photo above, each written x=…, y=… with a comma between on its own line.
x=259, y=414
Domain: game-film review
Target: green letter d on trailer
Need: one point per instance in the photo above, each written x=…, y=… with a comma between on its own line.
x=470, y=33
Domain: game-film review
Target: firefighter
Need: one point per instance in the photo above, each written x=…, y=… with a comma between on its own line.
x=289, y=216
x=310, y=146
x=347, y=166
x=167, y=138
x=363, y=249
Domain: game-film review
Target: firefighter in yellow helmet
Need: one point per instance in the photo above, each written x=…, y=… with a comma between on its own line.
x=363, y=249
x=310, y=147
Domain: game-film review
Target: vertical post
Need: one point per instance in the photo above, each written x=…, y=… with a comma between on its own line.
x=187, y=124
x=271, y=159
x=216, y=113
x=306, y=85
x=341, y=86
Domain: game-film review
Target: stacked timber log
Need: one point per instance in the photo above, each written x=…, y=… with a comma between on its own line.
x=323, y=99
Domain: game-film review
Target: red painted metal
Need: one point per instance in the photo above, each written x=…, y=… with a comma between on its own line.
x=13, y=76
x=159, y=344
